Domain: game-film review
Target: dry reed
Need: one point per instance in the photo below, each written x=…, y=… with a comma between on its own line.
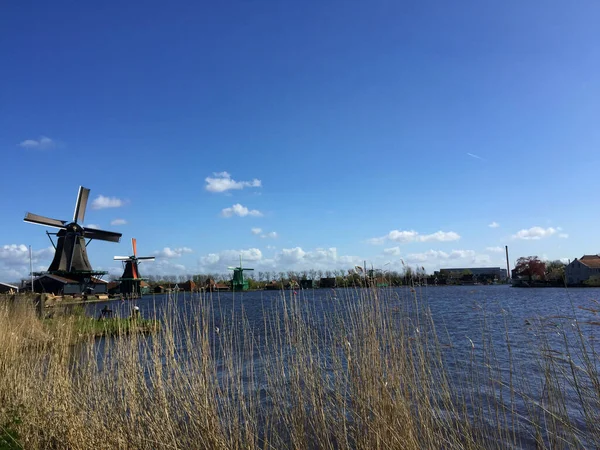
x=370, y=371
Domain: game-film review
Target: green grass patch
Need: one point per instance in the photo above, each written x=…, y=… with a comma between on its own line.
x=88, y=326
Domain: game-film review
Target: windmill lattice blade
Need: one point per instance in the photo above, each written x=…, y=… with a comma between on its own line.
x=134, y=246
x=122, y=258
x=41, y=220
x=145, y=258
x=81, y=205
x=102, y=235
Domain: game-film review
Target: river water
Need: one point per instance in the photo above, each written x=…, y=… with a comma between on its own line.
x=470, y=321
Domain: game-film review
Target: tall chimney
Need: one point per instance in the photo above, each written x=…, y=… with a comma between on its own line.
x=507, y=265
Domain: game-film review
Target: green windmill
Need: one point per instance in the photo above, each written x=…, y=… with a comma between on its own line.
x=238, y=283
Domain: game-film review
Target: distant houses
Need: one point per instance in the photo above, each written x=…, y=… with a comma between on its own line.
x=581, y=271
x=469, y=275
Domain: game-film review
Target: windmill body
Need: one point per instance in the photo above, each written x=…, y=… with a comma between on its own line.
x=132, y=285
x=238, y=282
x=70, y=267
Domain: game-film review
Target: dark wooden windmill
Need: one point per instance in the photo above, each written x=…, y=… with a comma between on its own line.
x=71, y=261
x=131, y=281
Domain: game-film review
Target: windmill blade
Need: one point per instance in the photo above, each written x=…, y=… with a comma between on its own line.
x=145, y=258
x=41, y=220
x=134, y=246
x=122, y=258
x=101, y=235
x=81, y=205
x=231, y=268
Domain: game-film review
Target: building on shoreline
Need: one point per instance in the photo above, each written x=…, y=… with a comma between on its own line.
x=59, y=285
x=581, y=270
x=6, y=288
x=490, y=273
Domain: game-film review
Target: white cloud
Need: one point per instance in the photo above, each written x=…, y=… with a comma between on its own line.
x=563, y=235
x=222, y=182
x=294, y=258
x=404, y=237
x=168, y=252
x=14, y=261
x=393, y=251
x=118, y=222
x=241, y=211
x=270, y=235
x=495, y=249
x=19, y=254
x=43, y=143
x=494, y=225
x=93, y=226
x=220, y=261
x=256, y=230
x=102, y=202
x=565, y=260
x=435, y=258
x=535, y=233
x=163, y=267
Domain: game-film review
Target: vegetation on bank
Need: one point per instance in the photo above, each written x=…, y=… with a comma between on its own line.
x=372, y=371
x=82, y=326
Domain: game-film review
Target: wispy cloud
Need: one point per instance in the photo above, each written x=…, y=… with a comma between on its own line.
x=241, y=211
x=270, y=234
x=475, y=156
x=406, y=236
x=168, y=252
x=222, y=182
x=563, y=235
x=256, y=230
x=495, y=249
x=118, y=222
x=535, y=233
x=93, y=226
x=102, y=202
x=494, y=225
x=43, y=143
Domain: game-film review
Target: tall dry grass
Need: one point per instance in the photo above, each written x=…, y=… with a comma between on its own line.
x=372, y=370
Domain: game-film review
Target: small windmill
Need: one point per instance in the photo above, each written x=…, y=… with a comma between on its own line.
x=131, y=282
x=238, y=283
x=70, y=258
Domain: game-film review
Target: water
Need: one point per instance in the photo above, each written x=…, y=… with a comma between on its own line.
x=521, y=317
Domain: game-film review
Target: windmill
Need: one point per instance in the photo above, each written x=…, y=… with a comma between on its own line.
x=238, y=283
x=70, y=258
x=131, y=282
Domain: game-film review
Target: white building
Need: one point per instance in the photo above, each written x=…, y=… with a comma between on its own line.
x=580, y=270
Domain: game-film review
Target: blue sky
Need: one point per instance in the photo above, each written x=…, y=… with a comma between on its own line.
x=345, y=131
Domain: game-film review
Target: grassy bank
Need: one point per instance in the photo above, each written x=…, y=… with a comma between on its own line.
x=373, y=371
